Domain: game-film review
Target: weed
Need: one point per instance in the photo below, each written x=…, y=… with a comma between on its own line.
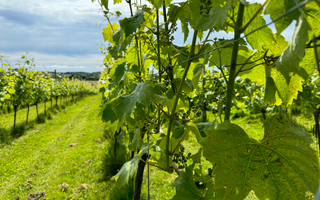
x=113, y=162
x=42, y=118
x=125, y=192
x=9, y=109
x=49, y=114
x=63, y=106
x=19, y=130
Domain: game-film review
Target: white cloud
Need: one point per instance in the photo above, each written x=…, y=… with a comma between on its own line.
x=62, y=63
x=63, y=34
x=60, y=34
x=256, y=1
x=61, y=10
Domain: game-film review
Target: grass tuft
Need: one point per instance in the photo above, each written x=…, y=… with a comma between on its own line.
x=125, y=192
x=19, y=130
x=112, y=162
x=42, y=118
x=49, y=114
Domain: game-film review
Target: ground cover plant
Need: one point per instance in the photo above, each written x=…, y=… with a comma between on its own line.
x=43, y=160
x=60, y=152
x=8, y=133
x=157, y=94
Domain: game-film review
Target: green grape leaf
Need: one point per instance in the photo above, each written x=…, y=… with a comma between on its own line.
x=277, y=47
x=183, y=130
x=308, y=64
x=281, y=166
x=161, y=161
x=295, y=51
x=203, y=125
x=191, y=127
x=226, y=53
x=173, y=143
x=107, y=32
x=277, y=7
x=200, y=34
x=130, y=25
x=168, y=2
x=196, y=158
x=256, y=73
x=128, y=169
x=134, y=69
x=185, y=30
x=307, y=96
x=156, y=3
x=186, y=189
x=312, y=13
x=287, y=91
x=178, y=129
x=216, y=17
x=105, y=4
x=192, y=13
x=136, y=141
x=121, y=107
x=260, y=37
x=197, y=71
x=119, y=73
x=186, y=86
x=177, y=13
x=257, y=69
x=116, y=37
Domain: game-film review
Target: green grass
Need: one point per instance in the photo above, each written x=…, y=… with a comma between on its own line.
x=45, y=151
x=8, y=133
x=6, y=120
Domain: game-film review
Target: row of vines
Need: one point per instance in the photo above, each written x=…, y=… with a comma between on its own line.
x=22, y=86
x=152, y=86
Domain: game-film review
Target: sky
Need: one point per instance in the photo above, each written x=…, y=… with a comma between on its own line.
x=62, y=34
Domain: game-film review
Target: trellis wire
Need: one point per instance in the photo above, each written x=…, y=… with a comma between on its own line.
x=273, y=21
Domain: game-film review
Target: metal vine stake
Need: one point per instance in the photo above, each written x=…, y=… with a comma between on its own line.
x=317, y=112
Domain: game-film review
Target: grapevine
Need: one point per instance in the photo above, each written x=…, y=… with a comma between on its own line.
x=23, y=86
x=258, y=69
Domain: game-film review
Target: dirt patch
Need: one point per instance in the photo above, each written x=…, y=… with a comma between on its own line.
x=98, y=141
x=88, y=162
x=35, y=196
x=27, y=184
x=73, y=144
x=64, y=188
x=83, y=186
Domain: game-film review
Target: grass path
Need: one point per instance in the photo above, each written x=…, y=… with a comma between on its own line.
x=6, y=120
x=44, y=159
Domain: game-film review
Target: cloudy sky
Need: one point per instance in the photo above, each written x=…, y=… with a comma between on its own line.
x=62, y=34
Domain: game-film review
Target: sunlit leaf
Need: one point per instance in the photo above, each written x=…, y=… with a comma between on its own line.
x=281, y=166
